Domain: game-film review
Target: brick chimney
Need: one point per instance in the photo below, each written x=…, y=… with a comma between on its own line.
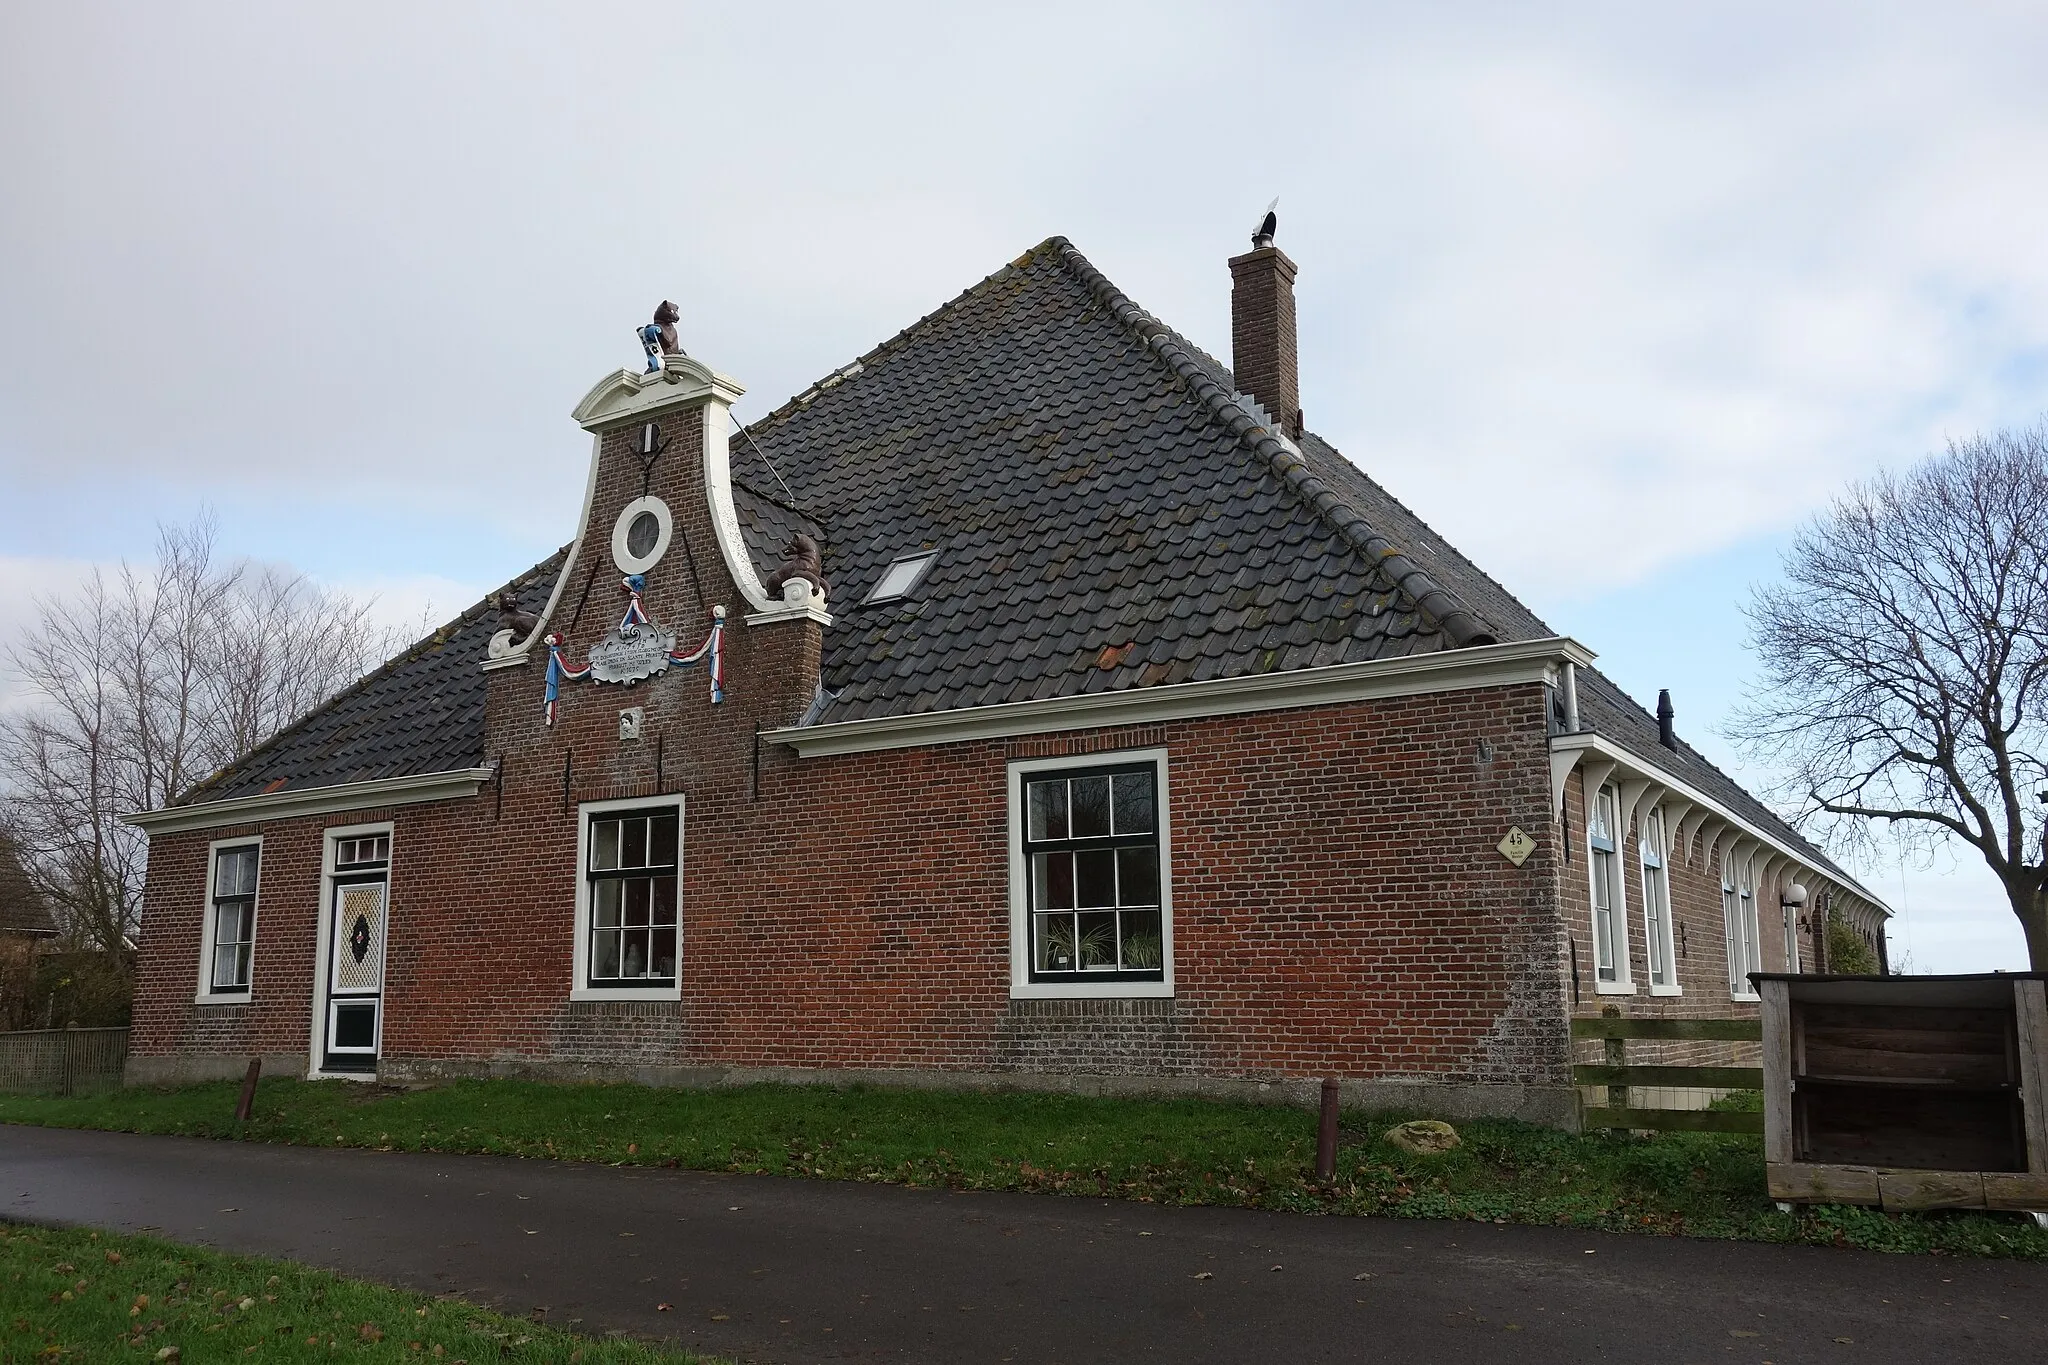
x=1262, y=332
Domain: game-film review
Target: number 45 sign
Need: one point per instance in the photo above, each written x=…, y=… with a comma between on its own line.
x=1516, y=846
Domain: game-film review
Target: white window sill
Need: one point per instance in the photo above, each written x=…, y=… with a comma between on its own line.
x=1091, y=990
x=221, y=998
x=1614, y=988
x=1745, y=999
x=1667, y=990
x=644, y=994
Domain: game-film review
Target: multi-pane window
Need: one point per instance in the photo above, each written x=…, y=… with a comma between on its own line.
x=1610, y=942
x=1091, y=859
x=632, y=871
x=1657, y=902
x=234, y=919
x=366, y=850
x=1745, y=949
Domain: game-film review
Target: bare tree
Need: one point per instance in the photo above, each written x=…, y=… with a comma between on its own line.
x=142, y=682
x=1907, y=658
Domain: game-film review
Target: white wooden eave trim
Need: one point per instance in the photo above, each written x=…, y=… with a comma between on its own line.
x=1707, y=817
x=1527, y=661
x=345, y=796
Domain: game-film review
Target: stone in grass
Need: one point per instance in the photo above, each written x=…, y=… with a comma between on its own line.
x=1423, y=1137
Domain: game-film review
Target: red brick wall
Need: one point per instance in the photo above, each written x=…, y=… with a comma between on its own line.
x=1339, y=906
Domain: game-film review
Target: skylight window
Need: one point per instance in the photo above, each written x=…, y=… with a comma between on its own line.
x=902, y=575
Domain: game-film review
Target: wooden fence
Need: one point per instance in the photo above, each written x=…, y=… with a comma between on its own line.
x=64, y=1060
x=1617, y=1075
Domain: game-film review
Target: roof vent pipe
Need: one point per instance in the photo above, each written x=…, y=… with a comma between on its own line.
x=1666, y=736
x=1571, y=697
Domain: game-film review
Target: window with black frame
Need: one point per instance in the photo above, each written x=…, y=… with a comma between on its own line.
x=1091, y=864
x=234, y=919
x=632, y=872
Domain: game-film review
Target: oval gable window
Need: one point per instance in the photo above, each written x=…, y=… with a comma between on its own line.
x=640, y=536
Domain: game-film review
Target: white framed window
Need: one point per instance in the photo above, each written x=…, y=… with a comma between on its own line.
x=1610, y=914
x=1657, y=944
x=629, y=898
x=1091, y=886
x=1738, y=912
x=228, y=933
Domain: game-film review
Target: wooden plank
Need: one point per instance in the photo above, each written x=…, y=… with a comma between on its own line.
x=2013, y=1190
x=1698, y=1077
x=1810, y=1182
x=1826, y=1058
x=1675, y=1120
x=2031, y=998
x=1697, y=1030
x=1902, y=1191
x=1774, y=1019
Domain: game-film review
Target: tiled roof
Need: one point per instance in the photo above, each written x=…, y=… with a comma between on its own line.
x=1107, y=515
x=1104, y=516
x=422, y=712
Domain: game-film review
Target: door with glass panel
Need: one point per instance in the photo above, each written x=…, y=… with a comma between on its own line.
x=357, y=927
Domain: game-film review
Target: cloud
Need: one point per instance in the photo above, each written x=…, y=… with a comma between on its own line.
x=1560, y=277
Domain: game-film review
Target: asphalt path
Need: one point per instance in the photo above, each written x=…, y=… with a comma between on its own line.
x=778, y=1270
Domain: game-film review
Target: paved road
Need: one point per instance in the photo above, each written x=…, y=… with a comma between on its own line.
x=811, y=1271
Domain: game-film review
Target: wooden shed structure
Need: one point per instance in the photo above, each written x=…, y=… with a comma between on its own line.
x=1908, y=1092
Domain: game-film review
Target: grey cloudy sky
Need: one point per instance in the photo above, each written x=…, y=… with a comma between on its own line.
x=1613, y=294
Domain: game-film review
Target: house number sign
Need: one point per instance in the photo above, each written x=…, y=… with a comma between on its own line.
x=1516, y=846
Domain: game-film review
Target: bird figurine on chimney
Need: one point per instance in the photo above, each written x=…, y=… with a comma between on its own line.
x=658, y=338
x=1268, y=225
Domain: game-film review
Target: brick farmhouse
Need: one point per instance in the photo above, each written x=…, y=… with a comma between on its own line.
x=1121, y=735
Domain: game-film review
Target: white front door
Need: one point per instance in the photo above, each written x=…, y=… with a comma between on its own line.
x=355, y=981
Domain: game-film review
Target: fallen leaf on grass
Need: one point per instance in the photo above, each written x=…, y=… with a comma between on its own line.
x=664, y=1308
x=1205, y=1275
x=1363, y=1275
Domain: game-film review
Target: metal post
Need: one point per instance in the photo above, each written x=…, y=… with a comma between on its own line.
x=248, y=1099
x=1326, y=1132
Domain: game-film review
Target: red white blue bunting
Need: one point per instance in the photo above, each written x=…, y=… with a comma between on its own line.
x=712, y=649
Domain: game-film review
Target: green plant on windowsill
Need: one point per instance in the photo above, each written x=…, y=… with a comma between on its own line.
x=1142, y=952
x=1061, y=948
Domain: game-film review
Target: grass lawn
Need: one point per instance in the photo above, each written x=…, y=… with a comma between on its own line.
x=1161, y=1151
x=68, y=1294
